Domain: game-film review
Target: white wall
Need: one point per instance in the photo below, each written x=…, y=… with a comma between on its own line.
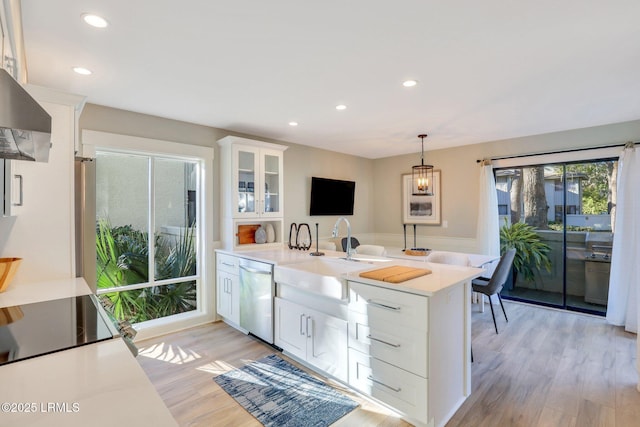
x=300, y=164
x=460, y=180
x=378, y=209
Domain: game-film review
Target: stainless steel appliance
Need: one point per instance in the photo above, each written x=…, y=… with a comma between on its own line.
x=36, y=329
x=256, y=298
x=25, y=127
x=597, y=267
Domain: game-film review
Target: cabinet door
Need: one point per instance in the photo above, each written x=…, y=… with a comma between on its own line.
x=228, y=297
x=271, y=197
x=246, y=181
x=327, y=346
x=13, y=180
x=291, y=327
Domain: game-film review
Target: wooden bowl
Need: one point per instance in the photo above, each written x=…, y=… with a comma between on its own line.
x=8, y=268
x=417, y=252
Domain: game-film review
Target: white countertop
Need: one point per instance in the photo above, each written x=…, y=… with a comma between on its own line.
x=98, y=384
x=442, y=276
x=94, y=385
x=26, y=293
x=282, y=255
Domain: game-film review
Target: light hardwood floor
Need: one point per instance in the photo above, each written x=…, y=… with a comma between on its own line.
x=545, y=368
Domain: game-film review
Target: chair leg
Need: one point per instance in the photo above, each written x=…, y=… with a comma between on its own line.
x=493, y=314
x=501, y=305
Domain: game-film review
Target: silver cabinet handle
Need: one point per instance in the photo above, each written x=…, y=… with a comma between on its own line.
x=227, y=264
x=20, y=180
x=254, y=271
x=370, y=378
x=302, y=316
x=385, y=306
x=383, y=341
x=309, y=329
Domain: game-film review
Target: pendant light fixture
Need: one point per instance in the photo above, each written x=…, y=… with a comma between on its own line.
x=422, y=175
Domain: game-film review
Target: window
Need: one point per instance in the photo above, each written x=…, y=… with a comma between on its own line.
x=562, y=212
x=147, y=240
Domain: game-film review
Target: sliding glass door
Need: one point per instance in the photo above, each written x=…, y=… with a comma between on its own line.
x=560, y=218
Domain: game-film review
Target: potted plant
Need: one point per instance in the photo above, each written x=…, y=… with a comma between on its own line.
x=531, y=252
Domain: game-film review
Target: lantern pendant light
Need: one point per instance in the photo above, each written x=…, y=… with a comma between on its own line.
x=422, y=175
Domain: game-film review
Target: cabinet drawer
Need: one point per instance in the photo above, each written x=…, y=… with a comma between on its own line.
x=403, y=347
x=390, y=307
x=402, y=390
x=228, y=263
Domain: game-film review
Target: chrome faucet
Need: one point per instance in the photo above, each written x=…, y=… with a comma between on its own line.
x=335, y=234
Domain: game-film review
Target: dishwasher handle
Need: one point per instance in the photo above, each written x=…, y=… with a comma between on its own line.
x=255, y=271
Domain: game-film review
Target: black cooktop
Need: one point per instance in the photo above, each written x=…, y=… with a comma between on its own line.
x=36, y=329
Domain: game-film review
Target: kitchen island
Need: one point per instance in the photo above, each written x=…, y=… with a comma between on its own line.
x=97, y=384
x=407, y=345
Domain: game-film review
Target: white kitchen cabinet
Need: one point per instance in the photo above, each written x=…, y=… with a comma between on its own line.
x=12, y=182
x=12, y=56
x=43, y=229
x=252, y=187
x=390, y=384
x=408, y=351
x=228, y=296
x=228, y=288
x=258, y=180
x=312, y=336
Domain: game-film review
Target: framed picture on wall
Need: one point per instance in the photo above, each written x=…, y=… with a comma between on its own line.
x=421, y=209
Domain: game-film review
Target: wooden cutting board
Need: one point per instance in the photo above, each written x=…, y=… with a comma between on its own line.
x=247, y=233
x=395, y=273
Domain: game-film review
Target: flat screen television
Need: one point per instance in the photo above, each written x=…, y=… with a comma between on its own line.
x=331, y=196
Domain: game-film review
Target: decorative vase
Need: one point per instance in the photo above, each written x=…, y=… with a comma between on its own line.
x=271, y=233
x=261, y=235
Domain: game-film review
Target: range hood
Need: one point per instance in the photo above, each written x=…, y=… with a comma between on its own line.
x=25, y=127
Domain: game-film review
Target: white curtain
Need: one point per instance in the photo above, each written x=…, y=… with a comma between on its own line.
x=488, y=227
x=624, y=279
x=624, y=289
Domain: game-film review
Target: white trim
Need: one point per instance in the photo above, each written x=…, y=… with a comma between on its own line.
x=236, y=140
x=138, y=145
x=568, y=156
x=175, y=323
x=45, y=94
x=205, y=312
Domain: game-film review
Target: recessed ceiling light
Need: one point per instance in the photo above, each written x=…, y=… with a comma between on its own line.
x=341, y=107
x=409, y=83
x=81, y=70
x=293, y=123
x=94, y=20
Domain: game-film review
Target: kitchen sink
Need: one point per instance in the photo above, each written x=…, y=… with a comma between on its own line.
x=321, y=275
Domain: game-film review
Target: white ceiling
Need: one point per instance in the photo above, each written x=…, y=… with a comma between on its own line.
x=487, y=70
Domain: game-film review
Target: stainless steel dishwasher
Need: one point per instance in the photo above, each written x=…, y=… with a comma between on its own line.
x=256, y=298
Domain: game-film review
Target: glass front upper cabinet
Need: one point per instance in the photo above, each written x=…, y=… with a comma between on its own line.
x=258, y=176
